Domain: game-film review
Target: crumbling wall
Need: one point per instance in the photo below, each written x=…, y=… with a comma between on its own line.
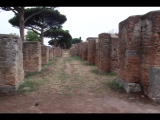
x=129, y=49
x=113, y=53
x=80, y=49
x=139, y=52
x=31, y=56
x=74, y=50
x=104, y=52
x=96, y=51
x=44, y=54
x=50, y=53
x=150, y=54
x=91, y=50
x=11, y=63
x=84, y=50
x=57, y=52
x=78, y=45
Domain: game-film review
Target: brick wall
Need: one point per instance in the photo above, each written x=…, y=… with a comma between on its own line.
x=91, y=50
x=84, y=50
x=31, y=56
x=11, y=63
x=104, y=52
x=45, y=54
x=50, y=53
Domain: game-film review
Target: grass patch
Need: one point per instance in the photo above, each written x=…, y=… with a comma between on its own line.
x=33, y=80
x=115, y=86
x=29, y=86
x=51, y=62
x=96, y=71
x=86, y=63
x=74, y=58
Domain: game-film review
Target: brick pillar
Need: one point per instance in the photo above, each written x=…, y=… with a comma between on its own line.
x=104, y=52
x=11, y=63
x=150, y=66
x=96, y=52
x=80, y=49
x=45, y=54
x=113, y=53
x=57, y=52
x=32, y=56
x=129, y=53
x=91, y=50
x=50, y=53
x=74, y=50
x=84, y=50
x=78, y=45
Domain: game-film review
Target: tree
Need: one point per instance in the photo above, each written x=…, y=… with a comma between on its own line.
x=32, y=36
x=76, y=40
x=19, y=11
x=41, y=22
x=59, y=37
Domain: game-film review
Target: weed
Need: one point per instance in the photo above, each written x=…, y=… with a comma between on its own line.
x=74, y=58
x=30, y=85
x=115, y=86
x=96, y=71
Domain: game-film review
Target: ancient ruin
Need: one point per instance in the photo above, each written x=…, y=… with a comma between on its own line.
x=45, y=54
x=96, y=51
x=104, y=52
x=113, y=53
x=84, y=50
x=74, y=50
x=32, y=56
x=91, y=50
x=57, y=52
x=11, y=63
x=138, y=53
x=50, y=53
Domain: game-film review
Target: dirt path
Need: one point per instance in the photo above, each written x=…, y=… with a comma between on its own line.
x=69, y=85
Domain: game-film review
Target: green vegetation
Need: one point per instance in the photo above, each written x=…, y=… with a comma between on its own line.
x=115, y=86
x=31, y=82
x=29, y=85
x=32, y=36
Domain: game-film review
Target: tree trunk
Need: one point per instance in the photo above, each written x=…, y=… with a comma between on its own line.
x=41, y=37
x=21, y=23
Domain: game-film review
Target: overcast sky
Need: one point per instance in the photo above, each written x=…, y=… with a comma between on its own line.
x=84, y=21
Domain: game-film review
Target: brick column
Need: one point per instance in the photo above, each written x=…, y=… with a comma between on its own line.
x=32, y=56
x=11, y=63
x=91, y=50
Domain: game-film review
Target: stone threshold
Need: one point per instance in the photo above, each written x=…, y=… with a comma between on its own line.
x=10, y=88
x=129, y=87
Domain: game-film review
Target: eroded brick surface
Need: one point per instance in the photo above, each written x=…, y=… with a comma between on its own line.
x=139, y=49
x=44, y=54
x=32, y=56
x=50, y=53
x=11, y=61
x=113, y=53
x=57, y=52
x=91, y=50
x=104, y=52
x=96, y=51
x=74, y=50
x=129, y=49
x=84, y=50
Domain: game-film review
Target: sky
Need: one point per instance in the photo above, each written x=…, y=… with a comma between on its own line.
x=84, y=22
